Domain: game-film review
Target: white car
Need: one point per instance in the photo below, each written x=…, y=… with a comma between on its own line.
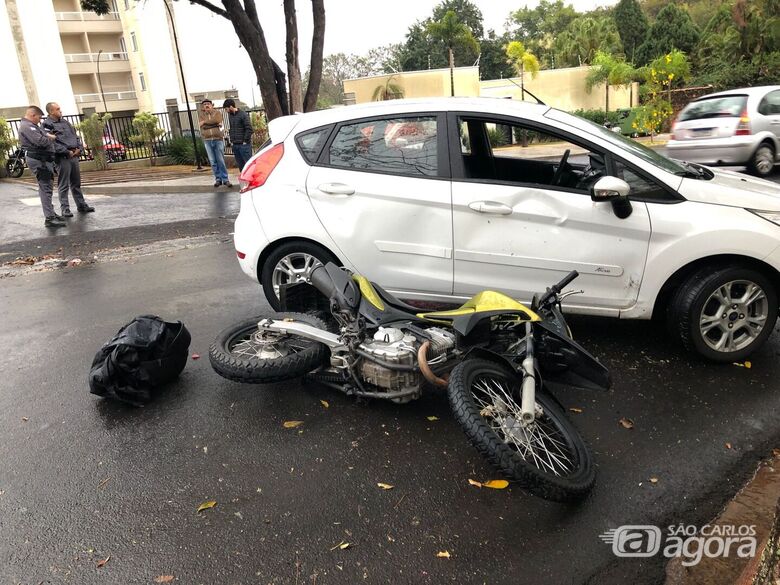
x=437, y=199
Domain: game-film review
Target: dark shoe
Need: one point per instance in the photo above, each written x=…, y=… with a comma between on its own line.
x=67, y=213
x=54, y=221
x=217, y=183
x=86, y=209
x=227, y=184
x=58, y=217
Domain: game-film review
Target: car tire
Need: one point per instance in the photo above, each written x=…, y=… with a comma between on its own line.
x=763, y=160
x=722, y=331
x=301, y=257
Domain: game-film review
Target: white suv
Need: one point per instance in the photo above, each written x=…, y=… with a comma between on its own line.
x=438, y=199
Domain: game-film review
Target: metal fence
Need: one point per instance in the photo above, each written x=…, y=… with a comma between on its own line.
x=117, y=137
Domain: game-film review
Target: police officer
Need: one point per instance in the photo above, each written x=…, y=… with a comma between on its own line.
x=67, y=148
x=40, y=160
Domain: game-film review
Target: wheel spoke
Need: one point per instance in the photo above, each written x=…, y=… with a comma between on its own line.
x=708, y=323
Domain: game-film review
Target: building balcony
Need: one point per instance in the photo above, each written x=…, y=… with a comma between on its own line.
x=79, y=63
x=76, y=22
x=115, y=101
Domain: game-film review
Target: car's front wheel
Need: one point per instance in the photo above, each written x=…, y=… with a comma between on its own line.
x=724, y=314
x=291, y=263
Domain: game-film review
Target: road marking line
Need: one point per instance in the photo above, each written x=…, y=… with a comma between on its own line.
x=36, y=201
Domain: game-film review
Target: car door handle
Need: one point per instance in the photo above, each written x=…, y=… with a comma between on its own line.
x=336, y=189
x=490, y=207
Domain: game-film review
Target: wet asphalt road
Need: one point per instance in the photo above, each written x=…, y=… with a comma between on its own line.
x=83, y=479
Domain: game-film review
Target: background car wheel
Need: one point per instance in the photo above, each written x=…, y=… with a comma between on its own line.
x=763, y=161
x=724, y=314
x=290, y=263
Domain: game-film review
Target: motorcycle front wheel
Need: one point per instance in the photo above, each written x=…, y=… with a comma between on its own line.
x=547, y=458
x=242, y=353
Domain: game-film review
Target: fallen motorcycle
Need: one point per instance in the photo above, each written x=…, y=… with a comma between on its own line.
x=498, y=359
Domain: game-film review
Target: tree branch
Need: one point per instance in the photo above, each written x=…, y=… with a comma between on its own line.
x=251, y=12
x=210, y=6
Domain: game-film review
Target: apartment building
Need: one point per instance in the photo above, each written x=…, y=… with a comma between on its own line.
x=120, y=62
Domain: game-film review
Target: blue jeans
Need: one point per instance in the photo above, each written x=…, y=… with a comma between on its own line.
x=242, y=154
x=215, y=149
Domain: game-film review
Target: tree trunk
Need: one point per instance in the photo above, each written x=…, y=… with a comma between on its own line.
x=452, y=72
x=317, y=45
x=281, y=89
x=606, y=102
x=293, y=66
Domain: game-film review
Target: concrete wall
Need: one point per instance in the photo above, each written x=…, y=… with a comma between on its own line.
x=564, y=89
x=561, y=88
x=13, y=95
x=415, y=84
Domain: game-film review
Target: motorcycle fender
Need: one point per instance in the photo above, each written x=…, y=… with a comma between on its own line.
x=565, y=362
x=486, y=354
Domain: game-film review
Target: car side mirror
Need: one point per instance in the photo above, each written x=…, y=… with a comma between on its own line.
x=609, y=189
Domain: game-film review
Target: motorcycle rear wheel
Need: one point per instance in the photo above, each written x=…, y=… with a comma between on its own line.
x=548, y=459
x=241, y=354
x=15, y=168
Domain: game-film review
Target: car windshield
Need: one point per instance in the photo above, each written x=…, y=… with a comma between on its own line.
x=722, y=106
x=624, y=143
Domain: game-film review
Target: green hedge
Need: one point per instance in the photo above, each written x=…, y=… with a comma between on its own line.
x=598, y=116
x=181, y=152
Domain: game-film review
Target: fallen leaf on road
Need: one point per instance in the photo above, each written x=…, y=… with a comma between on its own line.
x=653, y=480
x=475, y=483
x=496, y=484
x=325, y=403
x=196, y=356
x=728, y=445
x=103, y=483
x=385, y=486
x=164, y=579
x=444, y=554
x=574, y=409
x=25, y=419
x=291, y=424
x=207, y=505
x=626, y=423
x=748, y=365
x=341, y=546
x=103, y=562
x=432, y=418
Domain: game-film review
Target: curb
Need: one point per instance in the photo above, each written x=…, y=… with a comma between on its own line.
x=156, y=189
x=757, y=504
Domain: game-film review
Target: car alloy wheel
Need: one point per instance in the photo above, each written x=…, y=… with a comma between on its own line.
x=764, y=160
x=734, y=316
x=292, y=269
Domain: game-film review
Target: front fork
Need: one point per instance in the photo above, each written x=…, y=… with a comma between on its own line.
x=528, y=396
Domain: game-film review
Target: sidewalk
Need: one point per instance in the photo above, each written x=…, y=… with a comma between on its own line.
x=162, y=179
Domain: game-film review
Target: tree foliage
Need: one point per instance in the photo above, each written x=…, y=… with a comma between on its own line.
x=673, y=29
x=93, y=129
x=537, y=28
x=583, y=38
x=631, y=24
x=609, y=70
x=7, y=141
x=147, y=130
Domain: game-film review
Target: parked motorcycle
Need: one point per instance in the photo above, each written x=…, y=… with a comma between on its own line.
x=497, y=358
x=14, y=166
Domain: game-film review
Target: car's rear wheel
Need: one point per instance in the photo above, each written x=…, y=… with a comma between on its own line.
x=724, y=314
x=763, y=161
x=290, y=263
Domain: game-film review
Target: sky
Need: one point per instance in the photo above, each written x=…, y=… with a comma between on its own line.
x=213, y=58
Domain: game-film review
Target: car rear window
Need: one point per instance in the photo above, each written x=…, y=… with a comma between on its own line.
x=310, y=143
x=723, y=106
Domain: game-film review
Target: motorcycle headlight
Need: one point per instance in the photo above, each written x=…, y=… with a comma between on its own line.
x=773, y=216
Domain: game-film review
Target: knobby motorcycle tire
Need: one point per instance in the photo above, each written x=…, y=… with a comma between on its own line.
x=14, y=168
x=545, y=485
x=252, y=370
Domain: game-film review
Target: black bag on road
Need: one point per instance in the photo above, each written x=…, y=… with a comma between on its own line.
x=144, y=354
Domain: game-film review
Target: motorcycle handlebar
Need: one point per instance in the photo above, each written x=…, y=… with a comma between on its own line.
x=557, y=288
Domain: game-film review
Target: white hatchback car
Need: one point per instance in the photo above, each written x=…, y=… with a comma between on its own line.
x=437, y=199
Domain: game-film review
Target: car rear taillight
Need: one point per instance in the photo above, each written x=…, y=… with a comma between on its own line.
x=256, y=172
x=743, y=128
x=241, y=255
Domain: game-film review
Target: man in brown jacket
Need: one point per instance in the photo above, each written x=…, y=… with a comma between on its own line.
x=210, y=122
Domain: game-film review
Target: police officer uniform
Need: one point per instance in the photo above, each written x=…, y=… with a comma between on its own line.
x=40, y=161
x=68, y=171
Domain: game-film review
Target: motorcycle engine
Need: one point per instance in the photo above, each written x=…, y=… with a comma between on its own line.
x=393, y=346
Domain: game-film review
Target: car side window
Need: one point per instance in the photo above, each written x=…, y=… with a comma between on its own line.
x=404, y=146
x=502, y=152
x=310, y=143
x=773, y=103
x=641, y=187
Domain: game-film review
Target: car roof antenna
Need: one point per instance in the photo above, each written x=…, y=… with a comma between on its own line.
x=525, y=91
